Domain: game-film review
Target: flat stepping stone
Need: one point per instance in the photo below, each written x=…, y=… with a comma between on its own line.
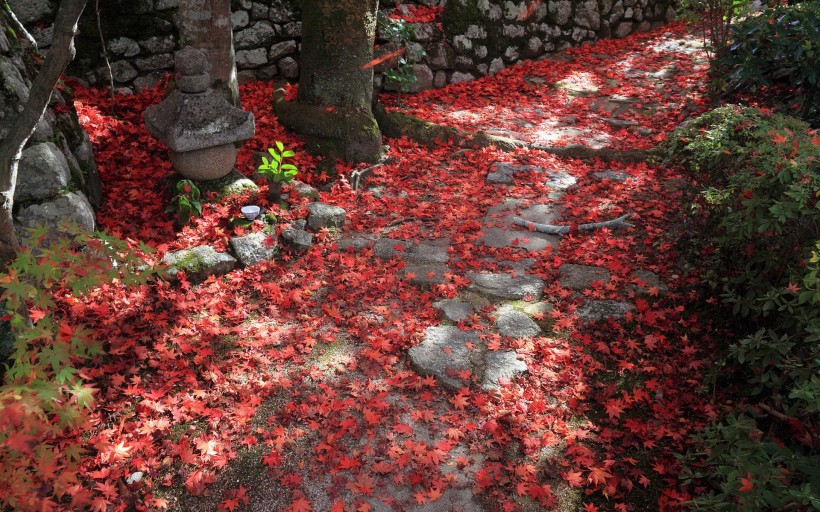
x=521, y=265
x=452, y=500
x=651, y=280
x=500, y=367
x=581, y=277
x=454, y=310
x=600, y=310
x=531, y=241
x=466, y=475
x=445, y=352
x=253, y=248
x=357, y=242
x=559, y=180
x=321, y=215
x=429, y=252
x=454, y=357
x=505, y=286
x=515, y=324
x=386, y=248
x=199, y=263
x=503, y=173
x=425, y=274
x=613, y=175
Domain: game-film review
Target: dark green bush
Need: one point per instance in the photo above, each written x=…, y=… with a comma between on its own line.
x=756, y=233
x=780, y=44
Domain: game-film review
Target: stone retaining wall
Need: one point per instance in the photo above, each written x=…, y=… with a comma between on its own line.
x=472, y=38
x=57, y=179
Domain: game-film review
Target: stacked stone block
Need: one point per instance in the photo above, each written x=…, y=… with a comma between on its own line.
x=475, y=37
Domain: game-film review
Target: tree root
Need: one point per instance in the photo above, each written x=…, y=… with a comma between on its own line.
x=551, y=229
x=397, y=124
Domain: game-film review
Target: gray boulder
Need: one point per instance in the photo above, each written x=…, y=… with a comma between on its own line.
x=123, y=46
x=123, y=72
x=259, y=34
x=42, y=173
x=253, y=248
x=199, y=263
x=282, y=49
x=159, y=44
x=321, y=215
x=305, y=190
x=298, y=239
x=71, y=208
x=288, y=67
x=246, y=59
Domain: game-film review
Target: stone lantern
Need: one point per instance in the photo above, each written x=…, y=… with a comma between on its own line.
x=199, y=126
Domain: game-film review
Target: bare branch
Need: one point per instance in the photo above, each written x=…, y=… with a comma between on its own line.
x=551, y=229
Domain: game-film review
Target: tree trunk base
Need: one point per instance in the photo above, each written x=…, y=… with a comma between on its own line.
x=397, y=124
x=334, y=132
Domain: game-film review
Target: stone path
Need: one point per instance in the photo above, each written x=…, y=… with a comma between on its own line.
x=505, y=299
x=502, y=300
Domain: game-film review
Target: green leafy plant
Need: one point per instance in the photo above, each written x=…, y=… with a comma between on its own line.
x=399, y=34
x=755, y=473
x=45, y=398
x=779, y=45
x=756, y=233
x=276, y=171
x=187, y=202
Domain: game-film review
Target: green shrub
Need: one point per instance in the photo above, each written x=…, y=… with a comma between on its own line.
x=780, y=44
x=756, y=232
x=755, y=473
x=44, y=397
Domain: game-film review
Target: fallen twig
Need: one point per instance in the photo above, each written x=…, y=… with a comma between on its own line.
x=551, y=229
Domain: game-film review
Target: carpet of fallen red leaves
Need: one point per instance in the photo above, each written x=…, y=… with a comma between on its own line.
x=198, y=376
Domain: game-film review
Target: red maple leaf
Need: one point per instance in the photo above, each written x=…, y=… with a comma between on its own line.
x=300, y=505
x=746, y=483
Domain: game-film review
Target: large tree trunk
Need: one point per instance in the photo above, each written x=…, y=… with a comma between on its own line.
x=333, y=110
x=206, y=24
x=59, y=56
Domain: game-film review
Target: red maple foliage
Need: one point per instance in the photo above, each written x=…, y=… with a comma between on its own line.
x=192, y=373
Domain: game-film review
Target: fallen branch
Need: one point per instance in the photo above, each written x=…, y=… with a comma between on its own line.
x=551, y=229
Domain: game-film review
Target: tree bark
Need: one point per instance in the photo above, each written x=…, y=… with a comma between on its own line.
x=206, y=24
x=333, y=110
x=59, y=56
